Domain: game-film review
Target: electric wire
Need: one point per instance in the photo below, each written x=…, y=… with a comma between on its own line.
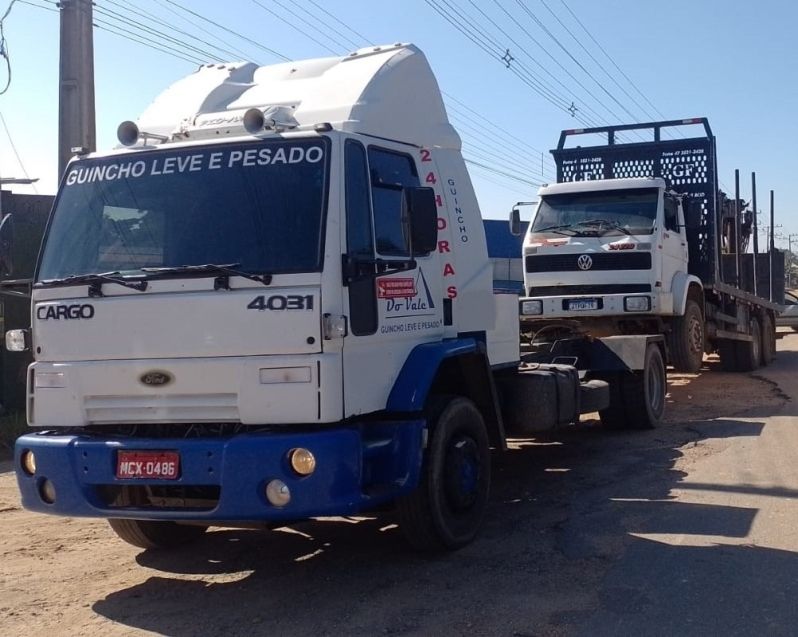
x=509, y=137
x=14, y=148
x=487, y=48
x=561, y=65
x=152, y=44
x=158, y=21
x=612, y=61
x=343, y=24
x=244, y=56
x=595, y=61
x=230, y=31
x=572, y=96
x=193, y=50
x=571, y=56
x=337, y=42
x=295, y=27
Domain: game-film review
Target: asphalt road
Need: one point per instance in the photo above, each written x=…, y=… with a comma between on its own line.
x=691, y=529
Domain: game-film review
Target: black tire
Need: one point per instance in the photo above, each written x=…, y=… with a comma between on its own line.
x=445, y=511
x=637, y=399
x=768, y=340
x=614, y=415
x=749, y=353
x=727, y=351
x=686, y=339
x=644, y=392
x=149, y=534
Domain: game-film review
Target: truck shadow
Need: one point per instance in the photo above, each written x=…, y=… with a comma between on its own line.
x=571, y=544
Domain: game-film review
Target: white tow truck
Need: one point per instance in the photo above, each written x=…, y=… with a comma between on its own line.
x=637, y=238
x=274, y=301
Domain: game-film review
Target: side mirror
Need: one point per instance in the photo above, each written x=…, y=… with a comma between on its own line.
x=6, y=246
x=420, y=216
x=515, y=222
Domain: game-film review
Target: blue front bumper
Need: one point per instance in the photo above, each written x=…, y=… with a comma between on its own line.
x=357, y=467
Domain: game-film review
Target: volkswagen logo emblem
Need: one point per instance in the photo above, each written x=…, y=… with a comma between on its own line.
x=584, y=262
x=155, y=378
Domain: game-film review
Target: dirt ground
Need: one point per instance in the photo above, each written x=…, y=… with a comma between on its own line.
x=552, y=534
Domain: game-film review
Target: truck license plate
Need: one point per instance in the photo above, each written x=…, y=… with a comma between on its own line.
x=583, y=304
x=159, y=465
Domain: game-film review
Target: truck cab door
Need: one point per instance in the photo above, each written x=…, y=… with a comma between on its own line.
x=674, y=244
x=391, y=306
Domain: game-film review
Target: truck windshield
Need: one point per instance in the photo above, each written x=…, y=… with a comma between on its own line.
x=258, y=205
x=630, y=211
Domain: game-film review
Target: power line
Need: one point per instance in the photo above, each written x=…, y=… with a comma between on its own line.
x=523, y=50
x=197, y=25
x=511, y=138
x=337, y=42
x=228, y=30
x=558, y=63
x=14, y=148
x=127, y=22
x=592, y=57
x=603, y=50
x=546, y=30
x=488, y=48
x=502, y=173
x=293, y=26
x=158, y=21
x=134, y=37
x=343, y=24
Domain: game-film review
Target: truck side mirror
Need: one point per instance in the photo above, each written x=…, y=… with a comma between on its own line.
x=515, y=222
x=420, y=214
x=6, y=245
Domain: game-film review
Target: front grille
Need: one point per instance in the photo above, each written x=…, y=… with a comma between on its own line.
x=191, y=408
x=601, y=261
x=574, y=290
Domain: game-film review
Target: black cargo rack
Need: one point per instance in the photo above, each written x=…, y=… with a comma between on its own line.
x=688, y=166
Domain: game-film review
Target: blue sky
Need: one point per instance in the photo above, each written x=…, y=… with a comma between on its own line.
x=731, y=61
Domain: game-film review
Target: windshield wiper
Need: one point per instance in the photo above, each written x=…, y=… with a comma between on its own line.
x=95, y=282
x=558, y=228
x=223, y=273
x=613, y=225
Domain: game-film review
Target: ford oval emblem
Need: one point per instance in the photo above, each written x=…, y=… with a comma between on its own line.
x=156, y=378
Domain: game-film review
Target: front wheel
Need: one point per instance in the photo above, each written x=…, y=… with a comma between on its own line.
x=686, y=340
x=446, y=509
x=149, y=534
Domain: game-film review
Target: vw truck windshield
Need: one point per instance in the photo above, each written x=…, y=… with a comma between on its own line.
x=258, y=205
x=630, y=211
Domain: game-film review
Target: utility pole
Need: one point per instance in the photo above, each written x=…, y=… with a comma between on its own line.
x=76, y=126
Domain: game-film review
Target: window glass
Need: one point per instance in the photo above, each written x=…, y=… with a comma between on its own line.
x=259, y=205
x=359, y=237
x=597, y=213
x=671, y=214
x=390, y=172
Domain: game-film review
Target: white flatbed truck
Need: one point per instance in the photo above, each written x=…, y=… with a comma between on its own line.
x=637, y=238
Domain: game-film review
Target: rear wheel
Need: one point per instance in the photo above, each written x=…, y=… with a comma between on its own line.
x=149, y=534
x=686, y=340
x=749, y=353
x=446, y=509
x=768, y=340
x=637, y=399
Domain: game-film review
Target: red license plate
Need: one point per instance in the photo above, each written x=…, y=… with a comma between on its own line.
x=158, y=465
